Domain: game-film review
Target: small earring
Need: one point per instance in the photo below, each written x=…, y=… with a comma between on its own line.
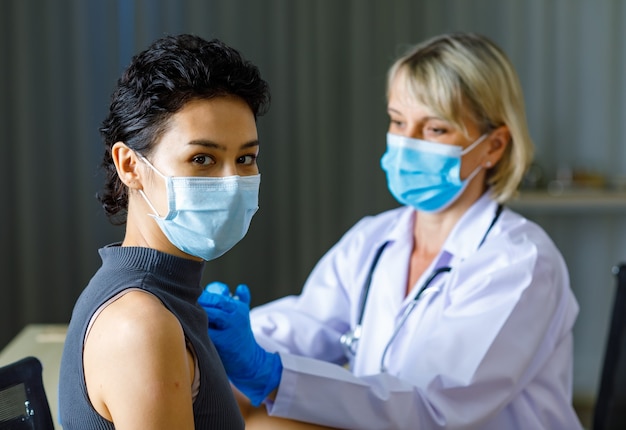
x=488, y=164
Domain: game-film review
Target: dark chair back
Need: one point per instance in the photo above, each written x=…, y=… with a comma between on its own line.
x=23, y=401
x=610, y=408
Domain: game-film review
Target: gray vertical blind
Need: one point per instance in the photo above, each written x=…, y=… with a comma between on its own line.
x=320, y=144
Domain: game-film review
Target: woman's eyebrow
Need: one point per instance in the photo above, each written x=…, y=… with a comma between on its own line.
x=210, y=144
x=250, y=144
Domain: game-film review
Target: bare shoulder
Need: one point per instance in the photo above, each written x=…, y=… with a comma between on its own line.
x=138, y=313
x=136, y=322
x=135, y=356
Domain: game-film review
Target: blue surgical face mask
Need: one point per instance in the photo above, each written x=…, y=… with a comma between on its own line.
x=207, y=216
x=423, y=174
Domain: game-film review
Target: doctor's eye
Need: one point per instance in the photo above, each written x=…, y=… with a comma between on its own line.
x=434, y=130
x=395, y=124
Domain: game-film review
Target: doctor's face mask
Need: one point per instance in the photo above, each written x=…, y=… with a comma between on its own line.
x=424, y=174
x=207, y=216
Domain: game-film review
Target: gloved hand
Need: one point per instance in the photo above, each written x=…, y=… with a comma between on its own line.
x=254, y=371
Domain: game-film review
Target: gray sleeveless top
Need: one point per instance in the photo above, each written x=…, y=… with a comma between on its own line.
x=176, y=282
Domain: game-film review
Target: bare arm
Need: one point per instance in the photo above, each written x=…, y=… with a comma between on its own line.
x=258, y=419
x=137, y=368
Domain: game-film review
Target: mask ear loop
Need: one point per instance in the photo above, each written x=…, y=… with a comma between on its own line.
x=479, y=167
x=466, y=182
x=475, y=144
x=155, y=213
x=143, y=194
x=472, y=175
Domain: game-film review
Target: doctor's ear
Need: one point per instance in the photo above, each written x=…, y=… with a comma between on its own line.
x=126, y=163
x=498, y=141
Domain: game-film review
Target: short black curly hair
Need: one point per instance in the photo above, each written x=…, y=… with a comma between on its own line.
x=158, y=83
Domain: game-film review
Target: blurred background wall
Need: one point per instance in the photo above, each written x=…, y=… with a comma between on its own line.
x=320, y=144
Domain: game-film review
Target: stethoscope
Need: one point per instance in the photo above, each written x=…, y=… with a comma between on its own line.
x=350, y=339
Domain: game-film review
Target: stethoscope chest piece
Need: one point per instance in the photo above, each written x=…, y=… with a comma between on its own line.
x=349, y=341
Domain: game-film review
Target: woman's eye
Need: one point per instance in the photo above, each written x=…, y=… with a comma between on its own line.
x=203, y=160
x=247, y=160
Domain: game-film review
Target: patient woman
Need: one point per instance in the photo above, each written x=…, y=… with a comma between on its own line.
x=180, y=160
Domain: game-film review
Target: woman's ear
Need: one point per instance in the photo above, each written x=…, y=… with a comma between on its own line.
x=126, y=164
x=498, y=141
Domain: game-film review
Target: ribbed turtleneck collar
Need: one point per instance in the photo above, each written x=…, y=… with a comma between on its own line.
x=177, y=269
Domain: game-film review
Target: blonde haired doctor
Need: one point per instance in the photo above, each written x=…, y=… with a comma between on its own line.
x=449, y=312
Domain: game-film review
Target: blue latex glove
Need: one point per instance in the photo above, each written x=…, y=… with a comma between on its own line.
x=254, y=371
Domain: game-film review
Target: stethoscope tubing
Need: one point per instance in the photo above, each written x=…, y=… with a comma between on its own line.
x=408, y=311
x=350, y=339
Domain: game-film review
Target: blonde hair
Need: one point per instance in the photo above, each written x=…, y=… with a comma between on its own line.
x=465, y=73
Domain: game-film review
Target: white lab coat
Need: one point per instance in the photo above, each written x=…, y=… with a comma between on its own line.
x=488, y=346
